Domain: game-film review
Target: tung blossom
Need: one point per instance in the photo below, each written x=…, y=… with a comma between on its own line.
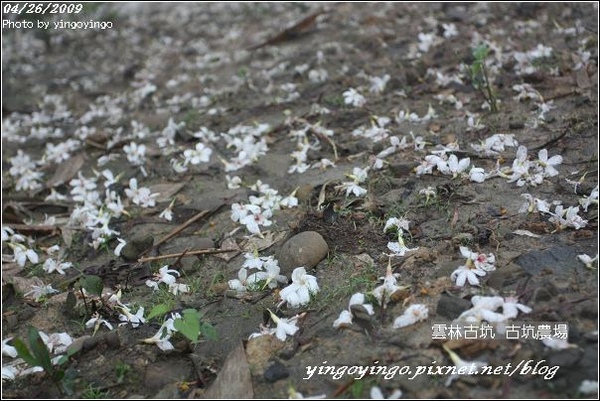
x=201, y=154
x=548, y=163
x=136, y=154
x=285, y=327
x=299, y=292
x=163, y=335
x=415, y=313
x=453, y=166
x=469, y=368
x=140, y=196
x=587, y=260
x=569, y=217
x=477, y=265
x=345, y=318
x=354, y=98
x=40, y=291
x=383, y=293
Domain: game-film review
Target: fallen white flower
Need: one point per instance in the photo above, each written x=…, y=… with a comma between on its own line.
x=415, y=313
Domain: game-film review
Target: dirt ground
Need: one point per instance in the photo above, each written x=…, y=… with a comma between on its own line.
x=273, y=76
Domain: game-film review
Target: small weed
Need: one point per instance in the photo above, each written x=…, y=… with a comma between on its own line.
x=34, y=270
x=217, y=279
x=121, y=370
x=93, y=392
x=163, y=296
x=360, y=282
x=192, y=118
x=335, y=100
x=357, y=389
x=332, y=257
x=480, y=80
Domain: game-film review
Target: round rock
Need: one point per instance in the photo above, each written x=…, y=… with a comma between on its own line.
x=305, y=249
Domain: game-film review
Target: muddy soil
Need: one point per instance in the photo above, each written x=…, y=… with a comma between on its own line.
x=169, y=76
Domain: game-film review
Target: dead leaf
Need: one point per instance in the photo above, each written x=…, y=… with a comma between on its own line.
x=526, y=233
x=23, y=285
x=10, y=270
x=67, y=234
x=14, y=213
x=435, y=127
x=229, y=244
x=66, y=171
x=472, y=348
x=582, y=78
x=269, y=238
x=166, y=190
x=234, y=379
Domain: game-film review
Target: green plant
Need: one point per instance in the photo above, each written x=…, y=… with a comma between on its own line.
x=37, y=354
x=216, y=279
x=163, y=296
x=480, y=79
x=334, y=100
x=93, y=392
x=121, y=370
x=357, y=388
x=191, y=326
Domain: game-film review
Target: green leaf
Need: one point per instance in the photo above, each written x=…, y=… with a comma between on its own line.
x=71, y=301
x=158, y=310
x=39, y=349
x=208, y=331
x=189, y=325
x=24, y=353
x=93, y=285
x=62, y=360
x=480, y=52
x=357, y=388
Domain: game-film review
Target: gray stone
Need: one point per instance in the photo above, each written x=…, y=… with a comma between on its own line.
x=163, y=373
x=276, y=371
x=136, y=246
x=451, y=307
x=112, y=340
x=77, y=345
x=559, y=259
x=566, y=358
x=305, y=249
x=168, y=392
x=189, y=243
x=90, y=343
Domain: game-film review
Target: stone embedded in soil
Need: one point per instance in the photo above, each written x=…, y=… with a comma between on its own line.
x=545, y=292
x=112, y=340
x=170, y=391
x=560, y=259
x=136, y=246
x=187, y=242
x=451, y=307
x=162, y=373
x=259, y=350
x=306, y=249
x=77, y=344
x=565, y=358
x=276, y=371
x=90, y=342
x=506, y=276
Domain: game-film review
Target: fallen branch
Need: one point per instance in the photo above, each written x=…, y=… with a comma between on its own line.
x=182, y=227
x=186, y=253
x=293, y=32
x=31, y=229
